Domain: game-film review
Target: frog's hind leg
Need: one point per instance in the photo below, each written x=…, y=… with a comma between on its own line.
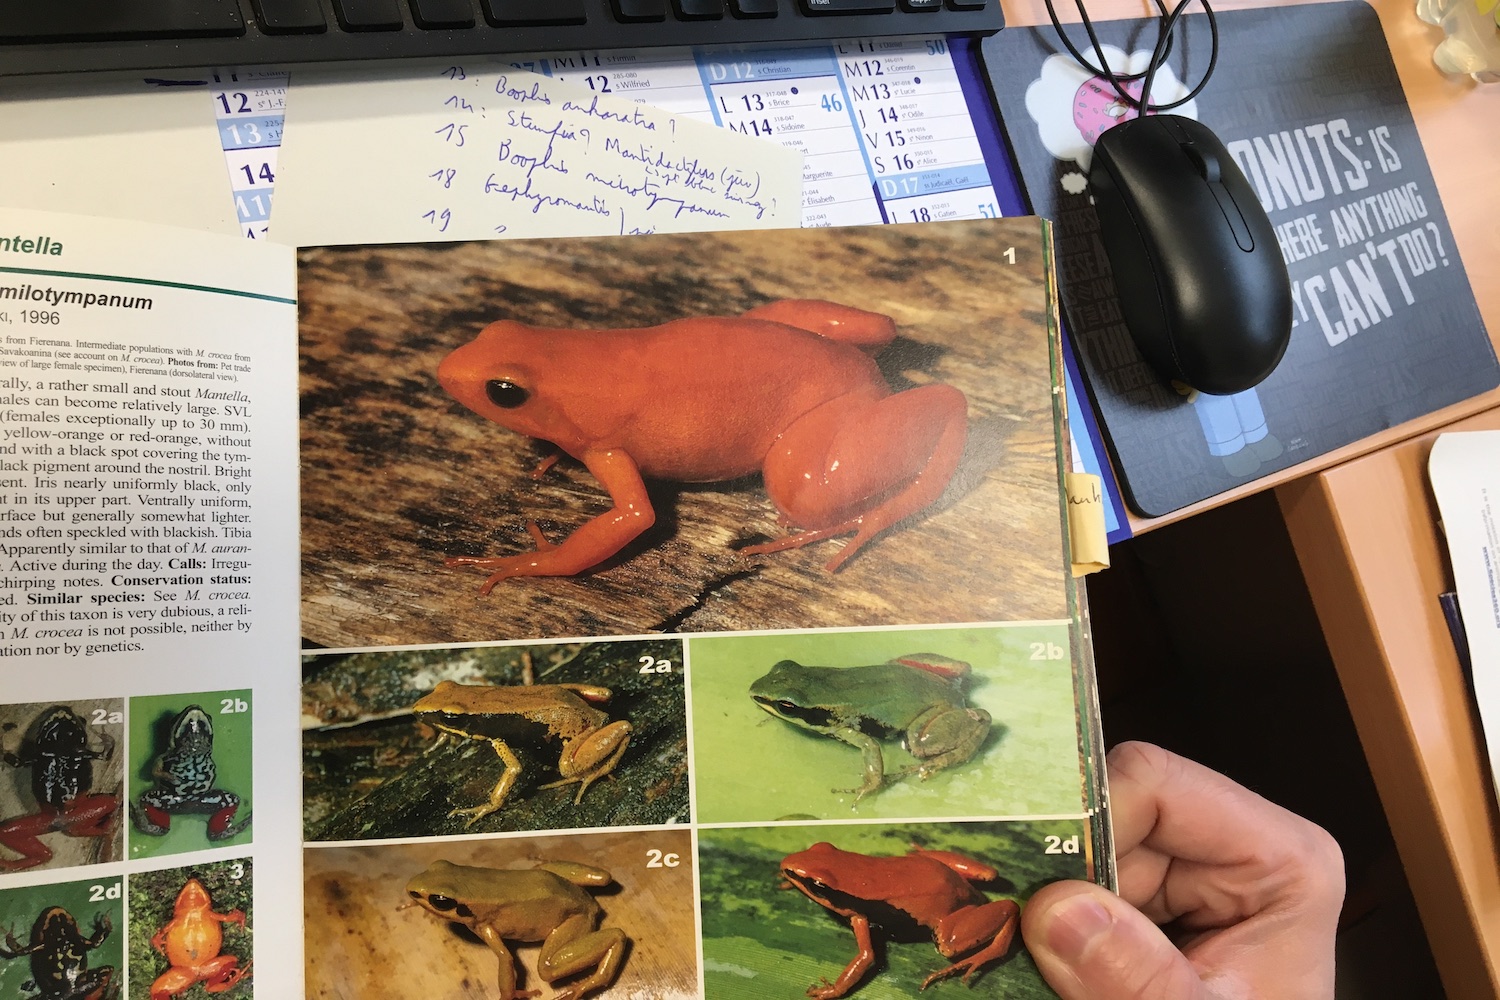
x=573, y=947
x=590, y=758
x=23, y=835
x=171, y=983
x=222, y=973
x=861, y=466
x=966, y=928
x=868, y=331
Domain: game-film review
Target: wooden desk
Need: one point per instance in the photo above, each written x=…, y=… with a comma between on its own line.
x=1363, y=523
x=1367, y=539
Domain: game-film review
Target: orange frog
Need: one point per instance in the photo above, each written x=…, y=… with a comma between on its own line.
x=931, y=890
x=191, y=941
x=789, y=389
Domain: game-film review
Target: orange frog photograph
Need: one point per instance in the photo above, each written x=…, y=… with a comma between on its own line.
x=708, y=432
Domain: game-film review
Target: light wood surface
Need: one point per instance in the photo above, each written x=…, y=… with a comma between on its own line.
x=1457, y=121
x=1375, y=561
x=1364, y=526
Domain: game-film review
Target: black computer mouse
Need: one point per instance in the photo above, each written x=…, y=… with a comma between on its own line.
x=1202, y=284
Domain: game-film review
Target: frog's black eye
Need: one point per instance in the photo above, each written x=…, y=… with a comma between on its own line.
x=441, y=902
x=506, y=395
x=787, y=706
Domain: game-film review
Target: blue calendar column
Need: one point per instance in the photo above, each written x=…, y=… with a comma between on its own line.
x=794, y=96
x=908, y=107
x=249, y=108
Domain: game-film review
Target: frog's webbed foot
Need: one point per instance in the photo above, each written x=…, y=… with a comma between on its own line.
x=505, y=567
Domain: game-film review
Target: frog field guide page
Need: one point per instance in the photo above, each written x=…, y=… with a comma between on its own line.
x=148, y=743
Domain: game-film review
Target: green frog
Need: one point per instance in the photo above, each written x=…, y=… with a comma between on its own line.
x=548, y=903
x=919, y=698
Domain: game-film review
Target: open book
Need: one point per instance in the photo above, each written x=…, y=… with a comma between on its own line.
x=676, y=616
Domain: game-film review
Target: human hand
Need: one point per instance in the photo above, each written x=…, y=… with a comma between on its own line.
x=1250, y=891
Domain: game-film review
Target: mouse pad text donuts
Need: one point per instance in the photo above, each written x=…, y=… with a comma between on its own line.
x=1385, y=327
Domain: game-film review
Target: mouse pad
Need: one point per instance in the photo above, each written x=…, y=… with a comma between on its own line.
x=1308, y=102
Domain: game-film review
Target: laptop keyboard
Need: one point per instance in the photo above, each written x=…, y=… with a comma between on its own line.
x=64, y=36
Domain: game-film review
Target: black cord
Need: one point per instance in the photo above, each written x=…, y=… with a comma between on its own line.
x=1166, y=24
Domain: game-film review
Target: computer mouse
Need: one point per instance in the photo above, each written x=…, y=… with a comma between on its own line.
x=1203, y=288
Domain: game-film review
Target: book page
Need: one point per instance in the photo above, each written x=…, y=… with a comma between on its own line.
x=686, y=602
x=147, y=602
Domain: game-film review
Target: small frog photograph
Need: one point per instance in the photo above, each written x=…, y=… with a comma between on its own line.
x=487, y=739
x=556, y=917
x=190, y=772
x=709, y=432
x=63, y=941
x=886, y=724
x=62, y=769
x=191, y=932
x=878, y=911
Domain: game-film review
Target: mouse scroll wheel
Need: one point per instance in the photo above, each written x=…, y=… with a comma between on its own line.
x=1206, y=162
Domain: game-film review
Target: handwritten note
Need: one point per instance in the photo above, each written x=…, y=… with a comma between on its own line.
x=1086, y=534
x=482, y=152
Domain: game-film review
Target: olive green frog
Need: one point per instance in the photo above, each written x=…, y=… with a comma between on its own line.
x=547, y=903
x=528, y=714
x=919, y=697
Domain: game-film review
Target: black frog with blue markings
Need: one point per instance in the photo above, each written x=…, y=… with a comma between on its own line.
x=184, y=776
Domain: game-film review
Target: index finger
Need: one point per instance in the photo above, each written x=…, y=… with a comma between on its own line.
x=1191, y=841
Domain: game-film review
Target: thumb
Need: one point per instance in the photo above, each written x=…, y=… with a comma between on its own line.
x=1092, y=945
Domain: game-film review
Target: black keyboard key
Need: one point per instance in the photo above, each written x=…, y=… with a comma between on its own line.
x=966, y=4
x=639, y=10
x=442, y=13
x=503, y=12
x=101, y=20
x=753, y=8
x=368, y=15
x=920, y=5
x=699, y=10
x=815, y=7
x=290, y=17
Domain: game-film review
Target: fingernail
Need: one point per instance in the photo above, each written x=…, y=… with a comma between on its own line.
x=1075, y=925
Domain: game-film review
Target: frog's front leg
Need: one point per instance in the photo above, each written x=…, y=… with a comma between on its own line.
x=592, y=543
x=574, y=946
x=506, y=962
x=502, y=787
x=874, y=759
x=590, y=757
x=862, y=462
x=967, y=928
x=857, y=967
x=944, y=736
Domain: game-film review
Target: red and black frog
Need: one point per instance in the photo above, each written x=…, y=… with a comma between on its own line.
x=185, y=775
x=59, y=958
x=57, y=750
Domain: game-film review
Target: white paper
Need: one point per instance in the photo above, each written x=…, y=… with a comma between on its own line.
x=113, y=147
x=1465, y=472
x=475, y=152
x=148, y=490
